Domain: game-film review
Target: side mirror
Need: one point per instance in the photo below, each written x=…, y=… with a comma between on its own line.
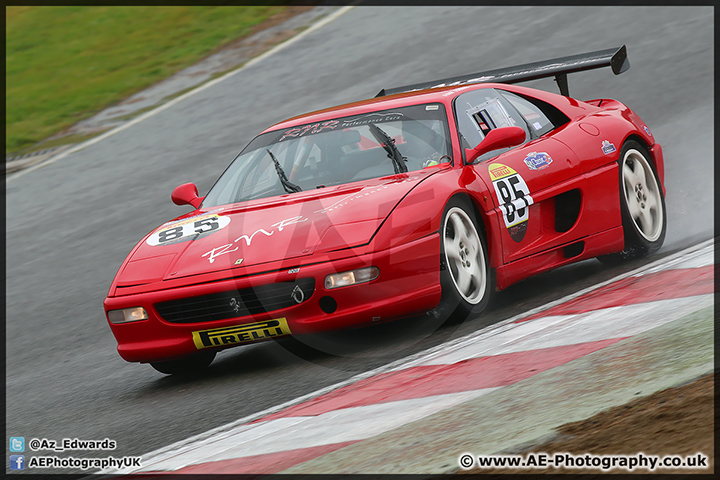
x=503, y=137
x=186, y=194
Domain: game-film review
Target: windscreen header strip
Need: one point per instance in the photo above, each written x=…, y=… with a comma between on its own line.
x=615, y=58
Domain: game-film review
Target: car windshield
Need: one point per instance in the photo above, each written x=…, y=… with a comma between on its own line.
x=334, y=152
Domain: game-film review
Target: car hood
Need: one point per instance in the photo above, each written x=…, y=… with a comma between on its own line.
x=261, y=231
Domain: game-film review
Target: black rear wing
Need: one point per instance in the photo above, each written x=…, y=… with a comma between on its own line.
x=615, y=58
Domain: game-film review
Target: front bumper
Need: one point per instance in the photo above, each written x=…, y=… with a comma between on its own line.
x=408, y=284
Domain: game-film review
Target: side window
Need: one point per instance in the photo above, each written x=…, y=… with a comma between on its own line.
x=479, y=111
x=540, y=116
x=490, y=114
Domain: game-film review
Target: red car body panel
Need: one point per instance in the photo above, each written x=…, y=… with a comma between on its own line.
x=411, y=285
x=267, y=231
x=392, y=223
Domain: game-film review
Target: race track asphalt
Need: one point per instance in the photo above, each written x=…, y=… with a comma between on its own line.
x=70, y=224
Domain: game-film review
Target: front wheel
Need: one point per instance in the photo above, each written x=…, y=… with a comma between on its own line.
x=642, y=205
x=465, y=275
x=192, y=363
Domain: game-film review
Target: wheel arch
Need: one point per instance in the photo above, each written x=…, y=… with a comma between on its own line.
x=485, y=225
x=637, y=138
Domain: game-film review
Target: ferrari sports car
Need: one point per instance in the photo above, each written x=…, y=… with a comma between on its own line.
x=423, y=200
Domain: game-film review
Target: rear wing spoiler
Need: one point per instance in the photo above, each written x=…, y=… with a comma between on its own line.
x=615, y=58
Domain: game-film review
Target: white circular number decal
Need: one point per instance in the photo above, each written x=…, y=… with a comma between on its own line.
x=514, y=198
x=189, y=229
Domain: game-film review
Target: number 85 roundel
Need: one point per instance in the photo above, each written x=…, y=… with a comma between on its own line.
x=188, y=229
x=514, y=198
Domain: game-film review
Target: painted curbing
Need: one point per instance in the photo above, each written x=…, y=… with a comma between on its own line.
x=528, y=411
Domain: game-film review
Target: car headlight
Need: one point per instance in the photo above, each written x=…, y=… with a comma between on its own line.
x=127, y=315
x=352, y=277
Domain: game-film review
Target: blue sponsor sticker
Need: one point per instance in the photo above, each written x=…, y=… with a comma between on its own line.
x=538, y=160
x=607, y=147
x=647, y=130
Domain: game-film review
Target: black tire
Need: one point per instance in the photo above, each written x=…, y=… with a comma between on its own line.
x=465, y=275
x=190, y=364
x=642, y=205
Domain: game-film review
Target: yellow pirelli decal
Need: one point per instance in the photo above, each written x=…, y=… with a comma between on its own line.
x=498, y=170
x=250, y=332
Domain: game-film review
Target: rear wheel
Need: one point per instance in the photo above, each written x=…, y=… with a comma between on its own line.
x=192, y=363
x=642, y=205
x=465, y=273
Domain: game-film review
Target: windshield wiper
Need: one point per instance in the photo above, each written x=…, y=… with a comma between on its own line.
x=287, y=185
x=389, y=145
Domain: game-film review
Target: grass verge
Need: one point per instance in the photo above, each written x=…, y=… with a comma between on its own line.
x=64, y=64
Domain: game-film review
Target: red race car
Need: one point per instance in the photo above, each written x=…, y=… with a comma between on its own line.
x=424, y=199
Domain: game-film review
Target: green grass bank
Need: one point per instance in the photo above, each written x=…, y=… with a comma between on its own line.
x=64, y=64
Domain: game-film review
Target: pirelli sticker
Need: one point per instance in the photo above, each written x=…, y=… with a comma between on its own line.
x=513, y=197
x=250, y=332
